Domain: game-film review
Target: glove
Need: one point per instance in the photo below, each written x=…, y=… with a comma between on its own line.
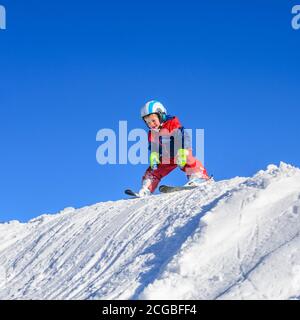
x=181, y=158
x=154, y=159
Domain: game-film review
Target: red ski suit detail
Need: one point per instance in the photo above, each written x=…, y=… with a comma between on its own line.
x=167, y=165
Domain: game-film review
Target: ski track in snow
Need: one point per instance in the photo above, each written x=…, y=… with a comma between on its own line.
x=233, y=239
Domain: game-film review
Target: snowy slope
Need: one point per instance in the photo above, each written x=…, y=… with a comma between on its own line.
x=233, y=239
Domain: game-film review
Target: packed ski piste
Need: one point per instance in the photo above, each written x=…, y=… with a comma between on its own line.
x=170, y=148
x=231, y=239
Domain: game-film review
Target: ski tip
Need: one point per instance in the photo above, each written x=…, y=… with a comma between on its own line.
x=162, y=187
x=131, y=193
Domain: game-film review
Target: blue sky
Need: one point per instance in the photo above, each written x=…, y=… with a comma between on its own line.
x=68, y=69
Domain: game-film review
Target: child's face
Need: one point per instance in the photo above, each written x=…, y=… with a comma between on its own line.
x=152, y=121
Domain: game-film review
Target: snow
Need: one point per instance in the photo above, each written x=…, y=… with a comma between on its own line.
x=232, y=239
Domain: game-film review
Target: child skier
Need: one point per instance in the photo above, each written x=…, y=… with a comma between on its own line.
x=170, y=147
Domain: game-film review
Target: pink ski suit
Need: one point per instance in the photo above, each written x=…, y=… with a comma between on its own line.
x=157, y=142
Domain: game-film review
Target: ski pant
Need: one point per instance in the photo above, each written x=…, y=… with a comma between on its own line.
x=193, y=166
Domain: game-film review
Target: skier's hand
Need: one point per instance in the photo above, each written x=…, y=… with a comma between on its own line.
x=154, y=159
x=181, y=158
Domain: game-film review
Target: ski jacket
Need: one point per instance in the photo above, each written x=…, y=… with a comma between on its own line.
x=170, y=137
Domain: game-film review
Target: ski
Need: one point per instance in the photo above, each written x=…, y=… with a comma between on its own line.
x=131, y=193
x=168, y=189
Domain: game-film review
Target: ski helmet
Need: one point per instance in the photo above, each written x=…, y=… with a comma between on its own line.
x=154, y=106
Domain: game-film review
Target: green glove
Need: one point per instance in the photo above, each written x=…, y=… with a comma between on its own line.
x=154, y=159
x=181, y=158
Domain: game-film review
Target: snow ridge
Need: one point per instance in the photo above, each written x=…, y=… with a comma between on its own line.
x=232, y=239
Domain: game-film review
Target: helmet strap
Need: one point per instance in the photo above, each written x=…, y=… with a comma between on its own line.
x=162, y=117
